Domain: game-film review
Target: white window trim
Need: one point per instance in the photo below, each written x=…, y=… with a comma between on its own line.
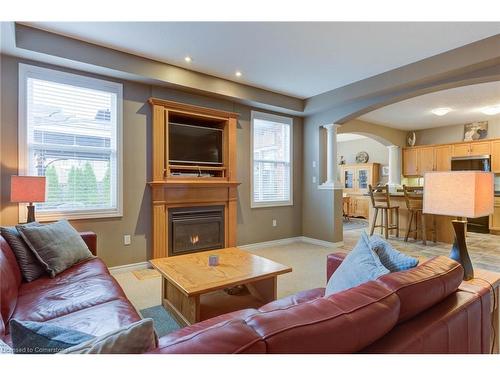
x=276, y=118
x=32, y=71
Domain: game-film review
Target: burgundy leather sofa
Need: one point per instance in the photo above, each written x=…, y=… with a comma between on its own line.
x=85, y=297
x=424, y=310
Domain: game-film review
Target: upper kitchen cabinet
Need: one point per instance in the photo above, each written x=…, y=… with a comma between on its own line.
x=495, y=156
x=425, y=160
x=471, y=149
x=442, y=158
x=410, y=162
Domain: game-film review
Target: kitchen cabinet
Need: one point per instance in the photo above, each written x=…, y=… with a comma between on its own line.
x=425, y=160
x=355, y=178
x=442, y=158
x=495, y=217
x=410, y=162
x=471, y=149
x=359, y=206
x=460, y=150
x=421, y=159
x=495, y=156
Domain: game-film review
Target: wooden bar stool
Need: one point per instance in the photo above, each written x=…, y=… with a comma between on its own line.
x=414, y=197
x=381, y=201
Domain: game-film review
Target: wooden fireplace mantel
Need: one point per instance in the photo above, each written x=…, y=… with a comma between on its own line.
x=171, y=190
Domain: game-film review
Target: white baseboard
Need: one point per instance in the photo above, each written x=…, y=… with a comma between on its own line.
x=129, y=267
x=287, y=241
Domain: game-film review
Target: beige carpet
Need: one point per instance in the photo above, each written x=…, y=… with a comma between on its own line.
x=309, y=264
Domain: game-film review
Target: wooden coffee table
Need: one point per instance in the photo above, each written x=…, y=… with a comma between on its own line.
x=188, y=282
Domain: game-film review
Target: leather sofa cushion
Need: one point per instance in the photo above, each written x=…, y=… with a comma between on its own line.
x=99, y=319
x=63, y=299
x=10, y=277
x=423, y=286
x=81, y=271
x=333, y=261
x=452, y=326
x=294, y=299
x=227, y=337
x=329, y=325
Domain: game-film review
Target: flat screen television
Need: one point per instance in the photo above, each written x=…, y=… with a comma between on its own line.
x=192, y=144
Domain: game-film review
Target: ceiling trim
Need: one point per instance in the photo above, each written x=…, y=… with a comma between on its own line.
x=150, y=71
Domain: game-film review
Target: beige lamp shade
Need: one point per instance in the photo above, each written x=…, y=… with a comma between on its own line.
x=459, y=193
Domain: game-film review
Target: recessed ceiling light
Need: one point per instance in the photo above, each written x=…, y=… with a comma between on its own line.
x=441, y=111
x=491, y=110
x=238, y=73
x=188, y=59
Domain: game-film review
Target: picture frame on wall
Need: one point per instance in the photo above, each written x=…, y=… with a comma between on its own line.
x=475, y=131
x=385, y=170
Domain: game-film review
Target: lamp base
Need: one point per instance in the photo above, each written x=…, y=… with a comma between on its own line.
x=31, y=213
x=459, y=250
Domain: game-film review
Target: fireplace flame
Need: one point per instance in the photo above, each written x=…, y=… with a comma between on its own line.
x=194, y=239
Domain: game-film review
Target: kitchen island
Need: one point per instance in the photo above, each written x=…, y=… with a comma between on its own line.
x=444, y=228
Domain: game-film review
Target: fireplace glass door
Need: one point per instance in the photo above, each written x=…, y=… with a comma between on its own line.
x=193, y=229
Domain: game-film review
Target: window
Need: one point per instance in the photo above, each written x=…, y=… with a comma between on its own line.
x=70, y=132
x=271, y=160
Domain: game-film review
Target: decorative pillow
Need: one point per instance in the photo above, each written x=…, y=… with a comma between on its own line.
x=30, y=266
x=43, y=338
x=137, y=338
x=392, y=259
x=57, y=246
x=359, y=266
x=5, y=349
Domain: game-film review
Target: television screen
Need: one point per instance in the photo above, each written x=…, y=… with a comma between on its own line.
x=194, y=144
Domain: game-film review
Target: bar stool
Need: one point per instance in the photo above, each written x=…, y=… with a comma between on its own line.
x=414, y=197
x=381, y=201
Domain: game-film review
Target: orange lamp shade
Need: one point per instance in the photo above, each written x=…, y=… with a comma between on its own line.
x=459, y=193
x=27, y=189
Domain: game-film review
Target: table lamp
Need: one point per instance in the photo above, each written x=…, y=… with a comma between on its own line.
x=464, y=194
x=27, y=189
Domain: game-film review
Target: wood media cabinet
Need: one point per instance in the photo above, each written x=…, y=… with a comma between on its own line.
x=178, y=183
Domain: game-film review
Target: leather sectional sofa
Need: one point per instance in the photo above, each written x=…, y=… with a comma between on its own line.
x=423, y=310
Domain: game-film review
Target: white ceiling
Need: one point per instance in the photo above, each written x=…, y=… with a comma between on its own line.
x=301, y=59
x=415, y=113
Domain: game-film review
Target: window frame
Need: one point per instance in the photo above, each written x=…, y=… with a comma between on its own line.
x=274, y=118
x=31, y=71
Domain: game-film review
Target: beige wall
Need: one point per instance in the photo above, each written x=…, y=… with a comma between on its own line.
x=453, y=133
x=254, y=225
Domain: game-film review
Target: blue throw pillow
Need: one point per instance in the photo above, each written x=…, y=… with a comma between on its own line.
x=392, y=259
x=359, y=266
x=43, y=338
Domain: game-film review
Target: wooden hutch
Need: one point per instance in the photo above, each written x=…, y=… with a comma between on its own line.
x=178, y=184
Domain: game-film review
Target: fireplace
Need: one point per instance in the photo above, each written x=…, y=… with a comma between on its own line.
x=193, y=229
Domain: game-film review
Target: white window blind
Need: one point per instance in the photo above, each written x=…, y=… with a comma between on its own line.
x=272, y=154
x=71, y=128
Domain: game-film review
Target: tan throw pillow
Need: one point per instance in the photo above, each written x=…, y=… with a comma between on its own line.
x=137, y=338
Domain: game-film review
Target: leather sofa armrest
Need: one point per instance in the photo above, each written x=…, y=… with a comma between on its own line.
x=333, y=262
x=90, y=239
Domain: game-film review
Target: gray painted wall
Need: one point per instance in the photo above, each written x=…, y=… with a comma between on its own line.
x=254, y=225
x=454, y=133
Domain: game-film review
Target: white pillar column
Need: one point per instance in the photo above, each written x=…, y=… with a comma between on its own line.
x=394, y=167
x=332, y=175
